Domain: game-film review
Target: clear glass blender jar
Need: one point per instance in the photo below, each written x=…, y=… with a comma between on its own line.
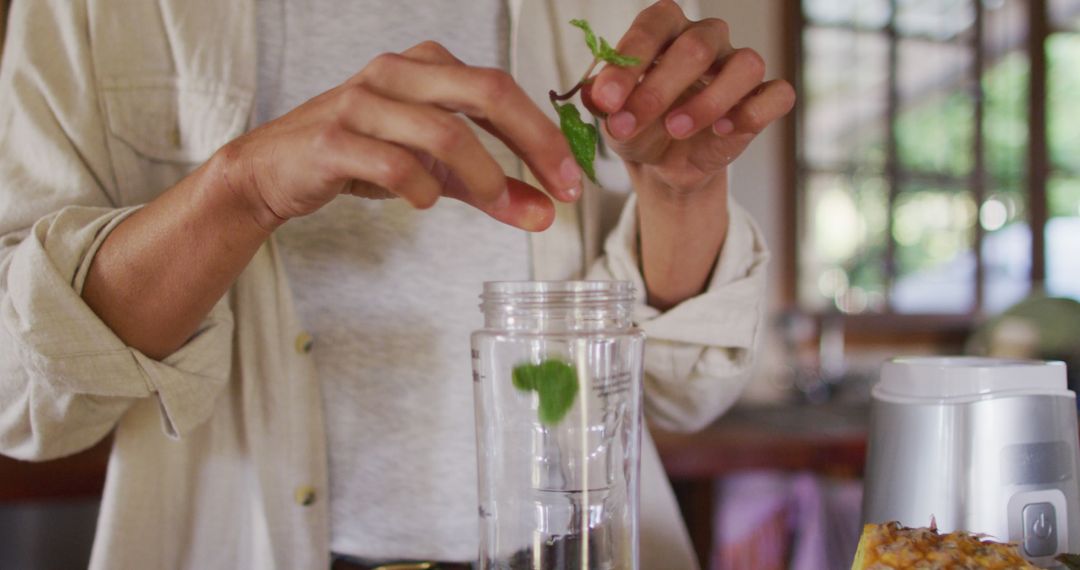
x=557, y=373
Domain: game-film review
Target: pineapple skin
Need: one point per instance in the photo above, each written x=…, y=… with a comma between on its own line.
x=891, y=546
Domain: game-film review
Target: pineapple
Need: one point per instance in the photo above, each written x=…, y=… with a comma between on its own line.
x=891, y=546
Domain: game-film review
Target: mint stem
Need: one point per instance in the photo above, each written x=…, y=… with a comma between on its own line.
x=577, y=86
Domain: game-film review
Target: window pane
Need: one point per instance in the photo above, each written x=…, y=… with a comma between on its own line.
x=1006, y=248
x=1063, y=237
x=1063, y=189
x=1063, y=105
x=935, y=264
x=1005, y=119
x=1065, y=14
x=1063, y=195
x=844, y=243
x=866, y=13
x=941, y=19
x=1006, y=251
x=936, y=119
x=1005, y=95
x=845, y=75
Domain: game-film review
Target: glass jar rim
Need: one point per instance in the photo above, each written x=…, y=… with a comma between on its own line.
x=592, y=290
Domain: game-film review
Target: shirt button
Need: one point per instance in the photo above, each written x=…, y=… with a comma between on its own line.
x=304, y=342
x=305, y=496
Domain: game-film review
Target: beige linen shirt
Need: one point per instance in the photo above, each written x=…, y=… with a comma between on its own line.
x=219, y=456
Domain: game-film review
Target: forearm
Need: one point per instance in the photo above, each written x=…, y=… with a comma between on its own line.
x=681, y=236
x=160, y=272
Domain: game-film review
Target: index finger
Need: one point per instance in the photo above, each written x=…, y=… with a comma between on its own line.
x=495, y=102
x=653, y=29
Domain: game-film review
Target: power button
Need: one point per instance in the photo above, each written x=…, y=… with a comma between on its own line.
x=1040, y=532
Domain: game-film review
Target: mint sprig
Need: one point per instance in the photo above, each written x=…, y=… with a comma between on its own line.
x=554, y=381
x=582, y=136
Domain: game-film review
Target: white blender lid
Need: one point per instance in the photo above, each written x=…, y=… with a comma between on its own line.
x=967, y=377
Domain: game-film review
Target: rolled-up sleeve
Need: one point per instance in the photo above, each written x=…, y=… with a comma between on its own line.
x=65, y=378
x=699, y=354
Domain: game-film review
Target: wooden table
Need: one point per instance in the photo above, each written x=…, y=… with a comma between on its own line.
x=78, y=476
x=828, y=440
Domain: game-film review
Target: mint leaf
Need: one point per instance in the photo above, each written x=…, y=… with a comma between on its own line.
x=524, y=377
x=554, y=381
x=590, y=37
x=582, y=137
x=608, y=54
x=603, y=50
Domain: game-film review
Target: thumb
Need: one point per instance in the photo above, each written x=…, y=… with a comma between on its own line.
x=590, y=104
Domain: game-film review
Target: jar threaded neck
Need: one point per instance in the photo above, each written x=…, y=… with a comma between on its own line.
x=552, y=306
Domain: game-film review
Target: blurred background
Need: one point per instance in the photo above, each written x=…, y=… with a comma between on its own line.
x=923, y=198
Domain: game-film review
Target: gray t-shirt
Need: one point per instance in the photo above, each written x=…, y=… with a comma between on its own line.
x=390, y=293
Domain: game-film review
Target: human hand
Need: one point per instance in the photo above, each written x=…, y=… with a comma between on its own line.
x=698, y=104
x=397, y=129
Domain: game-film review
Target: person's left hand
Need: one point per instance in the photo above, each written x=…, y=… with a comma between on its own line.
x=691, y=106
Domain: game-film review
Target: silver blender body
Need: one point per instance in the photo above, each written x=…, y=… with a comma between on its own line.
x=981, y=445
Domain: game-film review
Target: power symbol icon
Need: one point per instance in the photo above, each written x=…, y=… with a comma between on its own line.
x=1042, y=527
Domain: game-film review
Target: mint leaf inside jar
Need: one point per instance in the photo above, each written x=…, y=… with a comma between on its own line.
x=556, y=385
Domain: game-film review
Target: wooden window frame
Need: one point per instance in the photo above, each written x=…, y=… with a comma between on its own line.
x=889, y=327
x=3, y=24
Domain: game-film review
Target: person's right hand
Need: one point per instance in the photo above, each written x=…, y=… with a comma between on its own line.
x=395, y=129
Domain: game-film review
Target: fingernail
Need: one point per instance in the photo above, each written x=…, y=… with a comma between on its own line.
x=536, y=218
x=622, y=124
x=573, y=193
x=570, y=172
x=612, y=94
x=723, y=126
x=679, y=124
x=502, y=202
